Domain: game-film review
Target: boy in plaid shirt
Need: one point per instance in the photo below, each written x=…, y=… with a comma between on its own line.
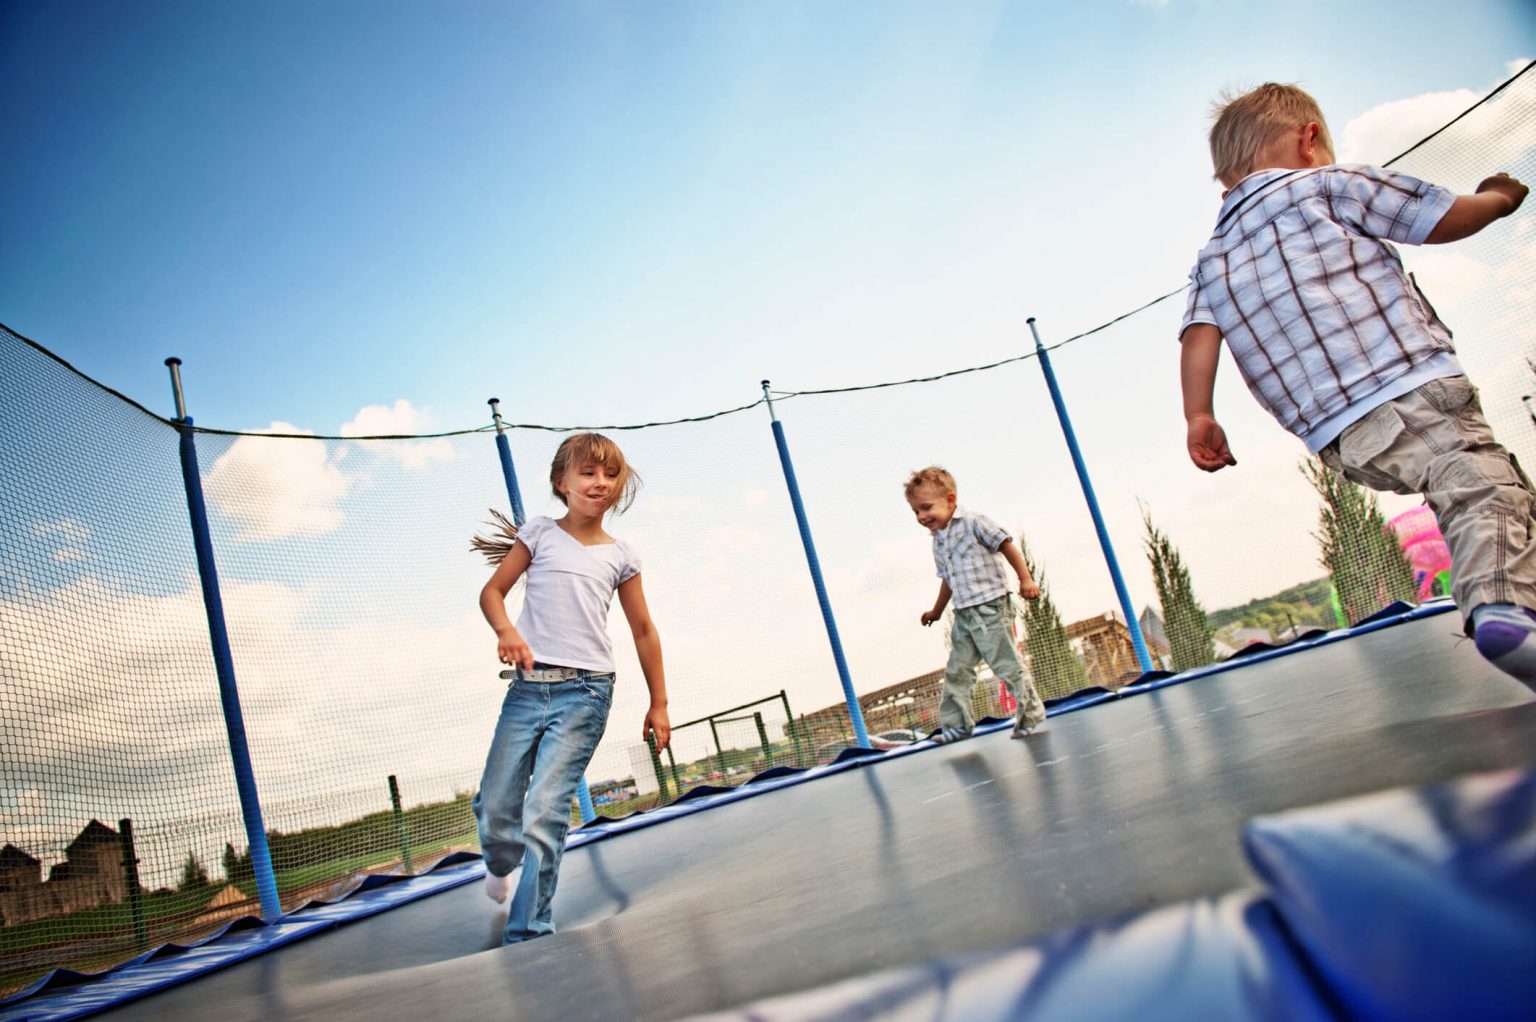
x=968, y=552
x=1336, y=341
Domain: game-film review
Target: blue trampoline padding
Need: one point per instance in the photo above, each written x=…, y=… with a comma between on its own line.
x=170, y=965
x=1224, y=958
x=1394, y=614
x=1415, y=904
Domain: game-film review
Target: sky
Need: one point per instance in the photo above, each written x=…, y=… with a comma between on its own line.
x=363, y=218
x=612, y=212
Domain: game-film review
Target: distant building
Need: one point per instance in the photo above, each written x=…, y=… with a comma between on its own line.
x=1104, y=644
x=1243, y=637
x=907, y=704
x=1156, y=635
x=90, y=875
x=644, y=769
x=910, y=705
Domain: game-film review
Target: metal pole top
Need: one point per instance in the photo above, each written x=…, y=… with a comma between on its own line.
x=769, y=398
x=174, y=364
x=495, y=404
x=1035, y=331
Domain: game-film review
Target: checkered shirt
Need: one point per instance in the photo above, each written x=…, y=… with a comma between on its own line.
x=965, y=555
x=1312, y=299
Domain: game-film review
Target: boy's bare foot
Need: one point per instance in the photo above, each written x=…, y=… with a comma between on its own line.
x=497, y=888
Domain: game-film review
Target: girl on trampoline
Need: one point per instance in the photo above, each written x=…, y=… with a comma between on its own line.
x=557, y=704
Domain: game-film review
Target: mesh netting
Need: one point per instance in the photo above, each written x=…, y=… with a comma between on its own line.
x=365, y=669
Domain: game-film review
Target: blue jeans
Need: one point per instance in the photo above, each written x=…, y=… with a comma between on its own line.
x=545, y=737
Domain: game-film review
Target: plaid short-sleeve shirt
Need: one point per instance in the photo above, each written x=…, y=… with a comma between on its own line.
x=965, y=555
x=1311, y=297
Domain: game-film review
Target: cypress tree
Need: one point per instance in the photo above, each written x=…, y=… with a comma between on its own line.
x=193, y=876
x=1361, y=552
x=1189, y=632
x=1056, y=668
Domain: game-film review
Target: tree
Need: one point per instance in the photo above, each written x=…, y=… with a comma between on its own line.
x=1056, y=669
x=193, y=876
x=1359, y=549
x=237, y=867
x=1189, y=631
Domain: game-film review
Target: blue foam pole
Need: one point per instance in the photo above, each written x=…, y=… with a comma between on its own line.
x=509, y=473
x=855, y=712
x=515, y=495
x=224, y=668
x=1131, y=623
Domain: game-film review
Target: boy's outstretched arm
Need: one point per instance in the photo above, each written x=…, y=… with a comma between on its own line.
x=1207, y=441
x=1496, y=197
x=648, y=649
x=1027, y=586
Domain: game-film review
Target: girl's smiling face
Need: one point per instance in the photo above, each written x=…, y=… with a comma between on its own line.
x=590, y=487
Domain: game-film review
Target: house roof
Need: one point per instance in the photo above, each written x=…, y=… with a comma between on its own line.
x=11, y=856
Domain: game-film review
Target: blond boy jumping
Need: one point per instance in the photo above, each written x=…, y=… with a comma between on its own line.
x=968, y=553
x=1336, y=341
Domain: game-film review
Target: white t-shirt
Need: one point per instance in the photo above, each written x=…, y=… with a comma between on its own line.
x=570, y=588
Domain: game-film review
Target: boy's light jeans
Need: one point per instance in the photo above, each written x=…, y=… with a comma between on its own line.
x=983, y=633
x=1435, y=441
x=544, y=739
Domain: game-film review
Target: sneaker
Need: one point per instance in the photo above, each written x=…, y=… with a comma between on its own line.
x=1023, y=730
x=1506, y=637
x=951, y=734
x=497, y=888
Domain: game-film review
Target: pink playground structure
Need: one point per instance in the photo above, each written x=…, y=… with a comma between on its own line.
x=1425, y=548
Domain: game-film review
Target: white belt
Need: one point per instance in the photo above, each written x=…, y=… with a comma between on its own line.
x=547, y=675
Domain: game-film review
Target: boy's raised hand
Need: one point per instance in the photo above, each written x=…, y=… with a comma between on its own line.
x=1507, y=186
x=1207, y=443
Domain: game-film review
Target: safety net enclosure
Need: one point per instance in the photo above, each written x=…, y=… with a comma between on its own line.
x=367, y=682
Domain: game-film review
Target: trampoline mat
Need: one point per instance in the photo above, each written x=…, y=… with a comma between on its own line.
x=1110, y=810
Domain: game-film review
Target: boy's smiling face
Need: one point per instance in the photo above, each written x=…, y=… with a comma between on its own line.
x=933, y=505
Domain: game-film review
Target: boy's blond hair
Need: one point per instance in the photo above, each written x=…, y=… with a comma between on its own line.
x=1247, y=122
x=934, y=476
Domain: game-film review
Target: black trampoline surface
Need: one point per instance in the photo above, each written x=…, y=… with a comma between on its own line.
x=1110, y=810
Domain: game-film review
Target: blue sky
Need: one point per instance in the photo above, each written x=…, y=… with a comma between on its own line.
x=625, y=211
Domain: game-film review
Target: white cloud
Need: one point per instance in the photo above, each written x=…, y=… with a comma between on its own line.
x=118, y=695
x=71, y=530
x=1388, y=129
x=24, y=804
x=276, y=488
x=70, y=533
x=399, y=419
